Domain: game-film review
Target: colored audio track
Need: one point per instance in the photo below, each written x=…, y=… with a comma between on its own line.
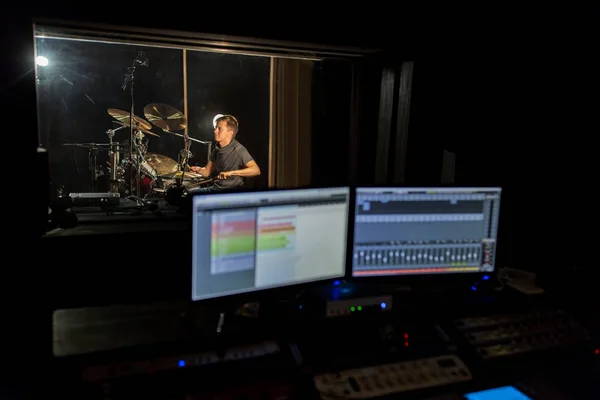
x=277, y=233
x=233, y=241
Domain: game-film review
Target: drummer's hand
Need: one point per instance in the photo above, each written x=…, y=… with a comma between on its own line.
x=196, y=169
x=224, y=175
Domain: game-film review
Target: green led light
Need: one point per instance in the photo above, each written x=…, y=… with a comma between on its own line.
x=352, y=308
x=359, y=308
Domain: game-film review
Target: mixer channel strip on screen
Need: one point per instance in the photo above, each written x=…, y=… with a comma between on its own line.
x=425, y=230
x=418, y=259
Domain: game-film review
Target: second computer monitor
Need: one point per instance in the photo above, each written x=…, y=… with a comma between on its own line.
x=402, y=231
x=249, y=241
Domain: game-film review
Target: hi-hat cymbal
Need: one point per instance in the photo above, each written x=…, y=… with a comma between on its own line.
x=162, y=164
x=165, y=117
x=123, y=118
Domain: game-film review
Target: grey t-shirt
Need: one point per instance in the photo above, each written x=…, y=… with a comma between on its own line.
x=229, y=158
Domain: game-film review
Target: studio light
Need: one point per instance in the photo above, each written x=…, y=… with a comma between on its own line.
x=41, y=61
x=216, y=118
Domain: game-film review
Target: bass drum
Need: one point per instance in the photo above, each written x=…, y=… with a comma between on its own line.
x=148, y=179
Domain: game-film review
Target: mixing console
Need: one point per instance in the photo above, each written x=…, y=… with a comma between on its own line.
x=419, y=217
x=505, y=335
x=432, y=258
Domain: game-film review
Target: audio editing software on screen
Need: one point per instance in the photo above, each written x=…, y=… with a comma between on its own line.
x=251, y=241
x=425, y=230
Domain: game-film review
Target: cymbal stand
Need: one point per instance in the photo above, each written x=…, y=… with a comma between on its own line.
x=113, y=155
x=139, y=160
x=92, y=163
x=184, y=155
x=208, y=150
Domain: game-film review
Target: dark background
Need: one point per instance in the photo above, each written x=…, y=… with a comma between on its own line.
x=330, y=142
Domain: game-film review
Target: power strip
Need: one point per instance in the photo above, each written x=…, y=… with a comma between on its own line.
x=341, y=308
x=393, y=378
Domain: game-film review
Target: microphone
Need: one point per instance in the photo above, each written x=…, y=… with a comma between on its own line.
x=141, y=59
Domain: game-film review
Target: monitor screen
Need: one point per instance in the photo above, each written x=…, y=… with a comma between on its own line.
x=419, y=231
x=501, y=393
x=244, y=242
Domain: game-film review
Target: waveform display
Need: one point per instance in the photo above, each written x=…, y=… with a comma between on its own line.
x=233, y=241
x=277, y=233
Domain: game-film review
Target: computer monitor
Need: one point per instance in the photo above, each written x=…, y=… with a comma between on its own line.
x=249, y=241
x=418, y=231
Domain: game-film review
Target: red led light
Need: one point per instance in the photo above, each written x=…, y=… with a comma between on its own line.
x=597, y=351
x=406, y=336
x=405, y=344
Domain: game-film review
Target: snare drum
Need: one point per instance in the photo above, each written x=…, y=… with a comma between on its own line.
x=187, y=176
x=187, y=184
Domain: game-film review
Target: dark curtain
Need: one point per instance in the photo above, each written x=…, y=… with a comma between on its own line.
x=290, y=150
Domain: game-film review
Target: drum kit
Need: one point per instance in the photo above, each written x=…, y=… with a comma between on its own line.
x=132, y=171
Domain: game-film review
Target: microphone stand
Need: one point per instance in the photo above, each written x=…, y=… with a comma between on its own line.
x=184, y=156
x=209, y=150
x=134, y=162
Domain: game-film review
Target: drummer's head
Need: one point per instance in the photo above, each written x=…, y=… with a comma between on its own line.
x=226, y=127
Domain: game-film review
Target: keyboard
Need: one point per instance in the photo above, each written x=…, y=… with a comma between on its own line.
x=382, y=380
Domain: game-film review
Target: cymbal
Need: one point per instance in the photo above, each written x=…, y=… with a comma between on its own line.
x=162, y=164
x=139, y=128
x=123, y=117
x=165, y=117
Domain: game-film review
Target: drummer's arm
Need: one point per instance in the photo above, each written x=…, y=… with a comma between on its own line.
x=204, y=171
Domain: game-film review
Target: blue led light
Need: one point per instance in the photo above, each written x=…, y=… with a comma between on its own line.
x=485, y=277
x=181, y=363
x=336, y=283
x=383, y=305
